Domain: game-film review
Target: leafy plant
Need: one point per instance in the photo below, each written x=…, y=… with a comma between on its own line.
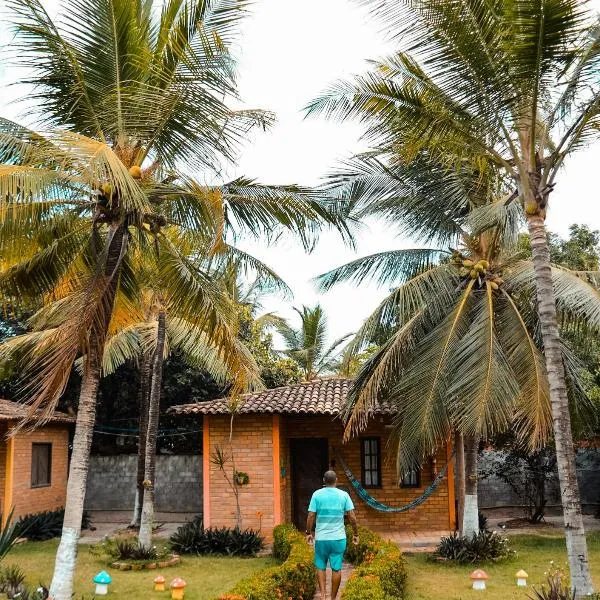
x=8, y=536
x=192, y=538
x=42, y=526
x=380, y=571
x=558, y=587
x=294, y=578
x=480, y=547
x=12, y=581
x=130, y=549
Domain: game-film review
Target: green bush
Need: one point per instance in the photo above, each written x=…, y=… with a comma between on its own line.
x=38, y=527
x=294, y=578
x=192, y=538
x=380, y=571
x=480, y=547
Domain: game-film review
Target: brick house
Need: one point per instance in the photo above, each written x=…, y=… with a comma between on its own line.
x=33, y=464
x=285, y=439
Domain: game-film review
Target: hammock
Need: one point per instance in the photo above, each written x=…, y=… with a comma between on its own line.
x=373, y=503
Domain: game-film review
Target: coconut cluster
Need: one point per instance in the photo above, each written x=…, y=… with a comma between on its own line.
x=480, y=270
x=107, y=197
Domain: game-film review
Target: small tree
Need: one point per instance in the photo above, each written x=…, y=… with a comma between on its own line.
x=526, y=472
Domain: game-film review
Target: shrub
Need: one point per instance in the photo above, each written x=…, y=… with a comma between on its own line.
x=38, y=527
x=480, y=547
x=192, y=538
x=128, y=549
x=294, y=578
x=380, y=571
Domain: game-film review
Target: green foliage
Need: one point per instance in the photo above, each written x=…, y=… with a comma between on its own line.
x=192, y=538
x=380, y=570
x=46, y=525
x=274, y=370
x=128, y=549
x=485, y=546
x=8, y=536
x=294, y=578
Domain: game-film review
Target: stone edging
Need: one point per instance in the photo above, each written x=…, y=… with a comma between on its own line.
x=159, y=564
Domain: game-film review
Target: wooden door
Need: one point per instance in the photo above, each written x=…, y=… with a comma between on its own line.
x=309, y=461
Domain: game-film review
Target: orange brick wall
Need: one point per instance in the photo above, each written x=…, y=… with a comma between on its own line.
x=253, y=447
x=253, y=451
x=434, y=514
x=32, y=500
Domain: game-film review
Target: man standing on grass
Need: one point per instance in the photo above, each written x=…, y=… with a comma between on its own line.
x=327, y=507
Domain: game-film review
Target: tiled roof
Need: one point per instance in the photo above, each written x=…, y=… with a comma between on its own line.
x=319, y=397
x=14, y=411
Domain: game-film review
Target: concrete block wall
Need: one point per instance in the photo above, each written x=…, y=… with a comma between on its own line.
x=495, y=493
x=111, y=483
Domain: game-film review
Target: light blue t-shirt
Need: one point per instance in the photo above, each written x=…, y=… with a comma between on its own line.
x=330, y=504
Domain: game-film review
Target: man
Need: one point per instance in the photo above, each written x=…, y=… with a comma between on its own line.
x=328, y=506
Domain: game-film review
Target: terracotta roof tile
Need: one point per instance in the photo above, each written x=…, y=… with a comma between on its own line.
x=319, y=397
x=15, y=411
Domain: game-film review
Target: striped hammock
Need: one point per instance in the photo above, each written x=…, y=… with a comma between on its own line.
x=373, y=503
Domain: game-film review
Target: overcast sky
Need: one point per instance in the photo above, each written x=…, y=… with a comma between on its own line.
x=290, y=50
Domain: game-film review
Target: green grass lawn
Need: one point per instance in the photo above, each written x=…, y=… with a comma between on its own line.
x=434, y=581
x=206, y=576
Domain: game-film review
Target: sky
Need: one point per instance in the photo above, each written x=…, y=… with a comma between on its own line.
x=289, y=51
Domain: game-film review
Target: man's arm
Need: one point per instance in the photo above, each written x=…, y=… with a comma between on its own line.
x=350, y=514
x=310, y=526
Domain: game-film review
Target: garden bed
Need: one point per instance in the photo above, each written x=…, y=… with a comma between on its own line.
x=124, y=565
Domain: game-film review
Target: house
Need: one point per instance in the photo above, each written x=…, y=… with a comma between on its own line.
x=33, y=464
x=284, y=439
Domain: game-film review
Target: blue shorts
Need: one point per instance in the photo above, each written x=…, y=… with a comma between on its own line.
x=331, y=551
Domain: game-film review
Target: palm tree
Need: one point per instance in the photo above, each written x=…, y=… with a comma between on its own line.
x=512, y=85
x=127, y=94
x=461, y=350
x=307, y=344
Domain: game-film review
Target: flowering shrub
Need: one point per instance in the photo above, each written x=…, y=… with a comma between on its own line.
x=380, y=571
x=294, y=578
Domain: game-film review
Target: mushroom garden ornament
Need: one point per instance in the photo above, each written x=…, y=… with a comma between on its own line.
x=159, y=583
x=177, y=588
x=521, y=578
x=102, y=581
x=479, y=578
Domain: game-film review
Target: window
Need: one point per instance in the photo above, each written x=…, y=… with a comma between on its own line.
x=411, y=478
x=370, y=459
x=41, y=465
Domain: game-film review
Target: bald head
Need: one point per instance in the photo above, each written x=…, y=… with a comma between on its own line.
x=330, y=478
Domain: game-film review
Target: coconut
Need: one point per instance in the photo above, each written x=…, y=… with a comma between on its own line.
x=479, y=267
x=135, y=172
x=107, y=189
x=494, y=285
x=531, y=208
x=485, y=263
x=468, y=263
x=474, y=274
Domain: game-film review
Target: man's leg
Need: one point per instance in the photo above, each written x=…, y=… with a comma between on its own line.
x=336, y=578
x=336, y=558
x=322, y=583
x=321, y=557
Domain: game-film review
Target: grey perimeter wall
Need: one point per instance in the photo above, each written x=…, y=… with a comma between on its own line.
x=111, y=483
x=495, y=493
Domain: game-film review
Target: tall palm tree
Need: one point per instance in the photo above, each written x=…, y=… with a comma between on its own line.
x=461, y=349
x=307, y=344
x=127, y=95
x=507, y=84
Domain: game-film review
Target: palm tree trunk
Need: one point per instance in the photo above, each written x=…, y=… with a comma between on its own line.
x=61, y=587
x=459, y=446
x=141, y=463
x=145, y=536
x=66, y=555
x=471, y=511
x=574, y=532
